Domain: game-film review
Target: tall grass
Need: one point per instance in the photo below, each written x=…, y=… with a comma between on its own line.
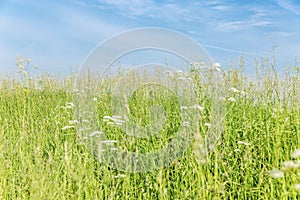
x=42, y=156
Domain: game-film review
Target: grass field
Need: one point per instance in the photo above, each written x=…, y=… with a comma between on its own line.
x=42, y=157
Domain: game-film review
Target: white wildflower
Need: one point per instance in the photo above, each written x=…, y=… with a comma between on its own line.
x=276, y=173
x=94, y=99
x=117, y=117
x=183, y=108
x=207, y=124
x=107, y=117
x=286, y=165
x=243, y=93
x=217, y=65
x=120, y=176
x=236, y=150
x=197, y=107
x=84, y=129
x=297, y=186
x=73, y=121
x=296, y=153
x=180, y=72
x=234, y=90
x=67, y=127
x=186, y=123
x=70, y=104
x=95, y=133
x=118, y=123
x=243, y=143
x=85, y=121
x=231, y=99
x=218, y=69
x=109, y=141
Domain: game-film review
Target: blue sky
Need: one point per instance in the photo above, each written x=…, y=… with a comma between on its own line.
x=58, y=35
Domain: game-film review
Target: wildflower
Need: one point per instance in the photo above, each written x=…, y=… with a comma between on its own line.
x=217, y=65
x=73, y=121
x=95, y=133
x=114, y=120
x=234, y=90
x=186, y=123
x=183, y=108
x=179, y=71
x=109, y=141
x=117, y=117
x=94, y=99
x=120, y=176
x=243, y=93
x=218, y=69
x=276, y=173
x=67, y=127
x=85, y=121
x=207, y=124
x=197, y=107
x=231, y=99
x=296, y=153
x=118, y=120
x=84, y=129
x=236, y=150
x=70, y=104
x=297, y=186
x=243, y=143
x=286, y=165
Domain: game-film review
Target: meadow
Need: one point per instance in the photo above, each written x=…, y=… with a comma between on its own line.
x=42, y=156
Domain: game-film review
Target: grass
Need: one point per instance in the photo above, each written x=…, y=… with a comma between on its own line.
x=42, y=157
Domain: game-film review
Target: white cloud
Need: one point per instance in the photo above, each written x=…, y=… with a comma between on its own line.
x=243, y=24
x=289, y=5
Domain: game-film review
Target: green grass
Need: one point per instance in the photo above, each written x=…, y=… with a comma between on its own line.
x=39, y=159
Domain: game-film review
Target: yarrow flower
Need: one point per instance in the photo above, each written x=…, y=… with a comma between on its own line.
x=290, y=164
x=297, y=186
x=73, y=121
x=113, y=120
x=296, y=153
x=183, y=108
x=186, y=123
x=67, y=127
x=231, y=99
x=275, y=173
x=95, y=133
x=234, y=90
x=120, y=176
x=197, y=107
x=207, y=124
x=243, y=143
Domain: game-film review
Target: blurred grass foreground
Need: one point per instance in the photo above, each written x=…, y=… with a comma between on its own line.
x=42, y=156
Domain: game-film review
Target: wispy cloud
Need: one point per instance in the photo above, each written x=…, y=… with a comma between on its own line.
x=61, y=33
x=289, y=5
x=245, y=24
x=229, y=50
